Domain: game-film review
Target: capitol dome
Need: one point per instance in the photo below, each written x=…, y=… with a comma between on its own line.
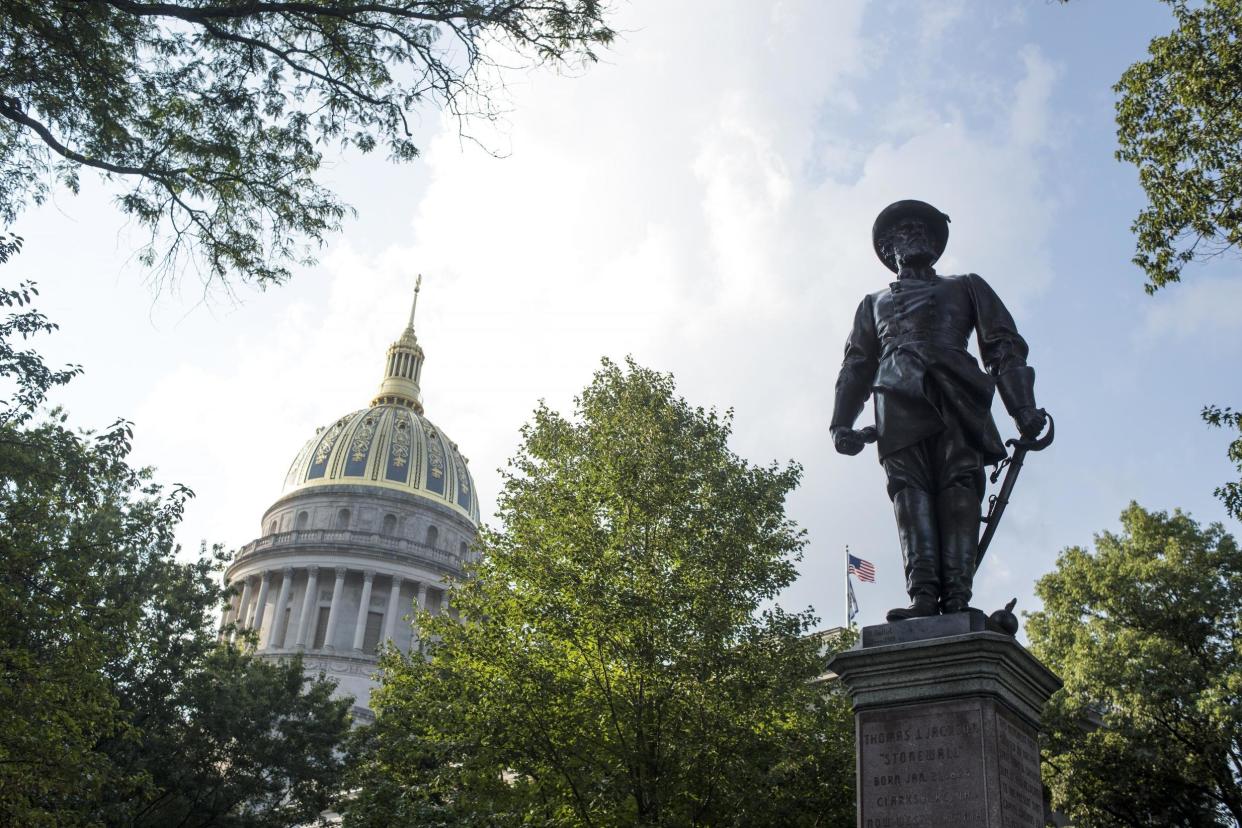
x=377, y=515
x=388, y=445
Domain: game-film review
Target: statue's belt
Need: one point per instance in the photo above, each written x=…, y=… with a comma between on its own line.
x=943, y=339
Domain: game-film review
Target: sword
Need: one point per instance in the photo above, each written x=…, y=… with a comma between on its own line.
x=998, y=501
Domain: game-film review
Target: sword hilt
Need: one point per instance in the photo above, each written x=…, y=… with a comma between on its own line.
x=1035, y=443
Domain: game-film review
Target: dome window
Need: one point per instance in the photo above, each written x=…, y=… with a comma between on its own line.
x=390, y=524
x=433, y=536
x=303, y=519
x=342, y=519
x=271, y=528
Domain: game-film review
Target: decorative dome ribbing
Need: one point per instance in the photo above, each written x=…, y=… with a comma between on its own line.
x=391, y=444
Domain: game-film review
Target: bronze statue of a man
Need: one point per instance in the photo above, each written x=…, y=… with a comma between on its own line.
x=932, y=402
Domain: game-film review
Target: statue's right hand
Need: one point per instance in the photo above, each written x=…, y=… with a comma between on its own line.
x=847, y=440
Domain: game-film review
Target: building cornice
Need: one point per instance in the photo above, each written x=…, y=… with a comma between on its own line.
x=396, y=496
x=340, y=545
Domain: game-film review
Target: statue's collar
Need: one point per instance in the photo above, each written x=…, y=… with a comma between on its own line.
x=925, y=274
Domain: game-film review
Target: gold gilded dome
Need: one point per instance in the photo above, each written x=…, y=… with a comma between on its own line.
x=391, y=444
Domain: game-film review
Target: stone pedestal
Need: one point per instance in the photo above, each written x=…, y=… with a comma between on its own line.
x=946, y=714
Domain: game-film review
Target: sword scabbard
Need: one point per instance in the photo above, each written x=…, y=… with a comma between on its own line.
x=1000, y=500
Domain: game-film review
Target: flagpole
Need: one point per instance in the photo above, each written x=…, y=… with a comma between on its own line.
x=847, y=586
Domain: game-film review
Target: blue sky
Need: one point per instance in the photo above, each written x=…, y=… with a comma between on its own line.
x=702, y=200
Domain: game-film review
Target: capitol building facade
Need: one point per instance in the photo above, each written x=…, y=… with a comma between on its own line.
x=378, y=512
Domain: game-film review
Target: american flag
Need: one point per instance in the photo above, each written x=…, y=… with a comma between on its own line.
x=865, y=570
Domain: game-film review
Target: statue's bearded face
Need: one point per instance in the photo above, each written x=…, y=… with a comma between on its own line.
x=910, y=243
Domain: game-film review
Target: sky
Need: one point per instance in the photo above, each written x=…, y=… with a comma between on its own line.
x=702, y=200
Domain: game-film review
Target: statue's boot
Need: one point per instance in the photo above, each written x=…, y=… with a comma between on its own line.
x=916, y=527
x=957, y=512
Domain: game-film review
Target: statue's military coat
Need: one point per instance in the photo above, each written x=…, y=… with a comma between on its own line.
x=908, y=346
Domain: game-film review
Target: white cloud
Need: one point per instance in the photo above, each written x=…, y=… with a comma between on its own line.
x=662, y=205
x=1199, y=306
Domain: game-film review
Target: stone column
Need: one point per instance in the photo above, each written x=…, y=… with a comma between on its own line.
x=277, y=637
x=946, y=715
x=261, y=602
x=364, y=606
x=310, y=601
x=243, y=607
x=394, y=607
x=334, y=611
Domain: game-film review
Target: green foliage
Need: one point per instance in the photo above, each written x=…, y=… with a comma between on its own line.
x=1145, y=633
x=73, y=549
x=237, y=742
x=1179, y=121
x=73, y=553
x=117, y=704
x=23, y=369
x=215, y=115
x=617, y=660
x=1229, y=493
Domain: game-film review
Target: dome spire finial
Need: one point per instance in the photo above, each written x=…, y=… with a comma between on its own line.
x=414, y=307
x=403, y=368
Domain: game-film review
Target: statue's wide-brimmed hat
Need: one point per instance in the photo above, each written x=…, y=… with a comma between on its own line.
x=936, y=221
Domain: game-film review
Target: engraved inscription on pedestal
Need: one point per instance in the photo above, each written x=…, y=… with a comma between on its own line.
x=946, y=730
x=1017, y=760
x=922, y=766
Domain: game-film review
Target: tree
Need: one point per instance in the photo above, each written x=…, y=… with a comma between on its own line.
x=1145, y=632
x=616, y=659
x=64, y=599
x=239, y=742
x=1230, y=493
x=1179, y=121
x=214, y=114
x=117, y=704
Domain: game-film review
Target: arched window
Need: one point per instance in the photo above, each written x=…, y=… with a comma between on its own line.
x=342, y=519
x=390, y=524
x=271, y=528
x=463, y=550
x=303, y=519
x=433, y=536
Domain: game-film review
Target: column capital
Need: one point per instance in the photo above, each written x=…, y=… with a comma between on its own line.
x=266, y=576
x=397, y=580
x=368, y=575
x=287, y=572
x=340, y=571
x=312, y=569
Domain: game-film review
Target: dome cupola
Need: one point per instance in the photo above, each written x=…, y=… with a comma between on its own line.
x=404, y=367
x=390, y=445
